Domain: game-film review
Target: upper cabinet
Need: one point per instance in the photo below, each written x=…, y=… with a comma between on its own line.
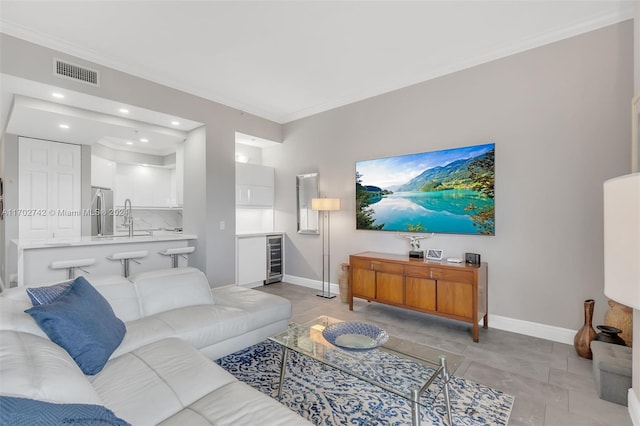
x=254, y=186
x=103, y=172
x=145, y=186
x=149, y=181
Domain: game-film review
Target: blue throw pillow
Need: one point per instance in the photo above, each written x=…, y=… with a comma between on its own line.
x=83, y=323
x=29, y=412
x=44, y=295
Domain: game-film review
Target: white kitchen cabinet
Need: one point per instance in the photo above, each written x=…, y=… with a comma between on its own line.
x=145, y=186
x=103, y=172
x=254, y=185
x=254, y=195
x=251, y=260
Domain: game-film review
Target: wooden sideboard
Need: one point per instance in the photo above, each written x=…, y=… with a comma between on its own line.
x=452, y=290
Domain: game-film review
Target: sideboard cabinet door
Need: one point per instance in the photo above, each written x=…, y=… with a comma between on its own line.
x=455, y=298
x=364, y=281
x=389, y=288
x=421, y=293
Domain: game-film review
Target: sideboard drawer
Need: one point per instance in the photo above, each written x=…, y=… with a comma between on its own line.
x=360, y=264
x=450, y=275
x=417, y=271
x=378, y=266
x=390, y=268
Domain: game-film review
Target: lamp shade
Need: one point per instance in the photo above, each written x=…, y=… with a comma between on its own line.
x=325, y=204
x=622, y=239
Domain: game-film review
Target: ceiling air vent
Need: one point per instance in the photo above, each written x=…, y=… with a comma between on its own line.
x=76, y=72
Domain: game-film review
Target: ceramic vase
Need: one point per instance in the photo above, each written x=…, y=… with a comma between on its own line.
x=621, y=316
x=584, y=336
x=609, y=334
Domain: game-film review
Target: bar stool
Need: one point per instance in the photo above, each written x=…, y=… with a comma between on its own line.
x=175, y=252
x=125, y=256
x=72, y=265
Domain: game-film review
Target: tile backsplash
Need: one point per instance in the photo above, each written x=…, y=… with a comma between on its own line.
x=152, y=219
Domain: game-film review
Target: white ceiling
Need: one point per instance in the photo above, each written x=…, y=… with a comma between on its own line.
x=288, y=60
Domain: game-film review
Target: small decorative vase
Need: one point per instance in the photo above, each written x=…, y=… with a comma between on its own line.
x=621, y=316
x=609, y=334
x=586, y=334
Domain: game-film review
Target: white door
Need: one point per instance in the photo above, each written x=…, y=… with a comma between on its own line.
x=49, y=204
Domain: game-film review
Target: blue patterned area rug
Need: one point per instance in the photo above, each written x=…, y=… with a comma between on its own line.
x=326, y=396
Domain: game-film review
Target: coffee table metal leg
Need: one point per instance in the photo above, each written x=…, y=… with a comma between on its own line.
x=415, y=407
x=283, y=367
x=445, y=377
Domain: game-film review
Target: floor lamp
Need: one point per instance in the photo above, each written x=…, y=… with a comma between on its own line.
x=326, y=205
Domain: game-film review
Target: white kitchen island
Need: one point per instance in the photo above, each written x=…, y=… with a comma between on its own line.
x=33, y=258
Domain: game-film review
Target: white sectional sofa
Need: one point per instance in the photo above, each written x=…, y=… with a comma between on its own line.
x=162, y=371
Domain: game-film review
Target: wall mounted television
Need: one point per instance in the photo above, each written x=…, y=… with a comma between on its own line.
x=449, y=191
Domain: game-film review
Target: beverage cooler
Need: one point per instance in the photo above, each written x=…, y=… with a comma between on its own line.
x=274, y=259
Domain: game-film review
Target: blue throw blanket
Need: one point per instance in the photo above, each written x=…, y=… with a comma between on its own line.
x=29, y=412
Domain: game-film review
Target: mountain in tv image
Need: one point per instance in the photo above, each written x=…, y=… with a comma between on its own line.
x=448, y=191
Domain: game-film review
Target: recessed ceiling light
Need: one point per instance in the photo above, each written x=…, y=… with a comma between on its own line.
x=63, y=126
x=129, y=143
x=144, y=140
x=124, y=110
x=58, y=95
x=175, y=123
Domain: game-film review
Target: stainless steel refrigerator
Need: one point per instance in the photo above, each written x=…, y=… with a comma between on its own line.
x=101, y=211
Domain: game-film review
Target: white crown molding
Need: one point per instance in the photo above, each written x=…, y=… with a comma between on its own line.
x=542, y=331
x=89, y=55
x=510, y=48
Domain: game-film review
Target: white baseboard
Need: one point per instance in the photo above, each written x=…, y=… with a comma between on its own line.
x=252, y=285
x=634, y=407
x=543, y=331
x=306, y=282
x=534, y=329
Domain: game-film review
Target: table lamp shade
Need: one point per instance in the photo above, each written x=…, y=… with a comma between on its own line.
x=622, y=239
x=325, y=204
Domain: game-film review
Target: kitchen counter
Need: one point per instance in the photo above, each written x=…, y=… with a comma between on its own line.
x=258, y=234
x=107, y=239
x=33, y=258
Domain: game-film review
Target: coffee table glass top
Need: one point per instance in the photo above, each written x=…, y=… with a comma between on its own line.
x=398, y=366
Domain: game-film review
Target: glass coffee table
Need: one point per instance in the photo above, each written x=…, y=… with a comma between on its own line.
x=412, y=371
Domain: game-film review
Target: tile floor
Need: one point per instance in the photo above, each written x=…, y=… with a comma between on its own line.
x=551, y=384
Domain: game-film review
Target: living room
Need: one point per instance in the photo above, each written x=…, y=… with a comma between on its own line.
x=558, y=113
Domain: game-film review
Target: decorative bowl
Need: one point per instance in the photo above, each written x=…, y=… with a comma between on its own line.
x=355, y=336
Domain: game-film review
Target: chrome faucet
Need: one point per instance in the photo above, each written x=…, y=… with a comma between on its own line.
x=128, y=218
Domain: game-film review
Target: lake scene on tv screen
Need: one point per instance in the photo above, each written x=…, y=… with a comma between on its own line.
x=449, y=191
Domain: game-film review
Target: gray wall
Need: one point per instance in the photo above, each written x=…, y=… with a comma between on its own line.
x=214, y=168
x=194, y=219
x=559, y=116
x=636, y=312
x=9, y=224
